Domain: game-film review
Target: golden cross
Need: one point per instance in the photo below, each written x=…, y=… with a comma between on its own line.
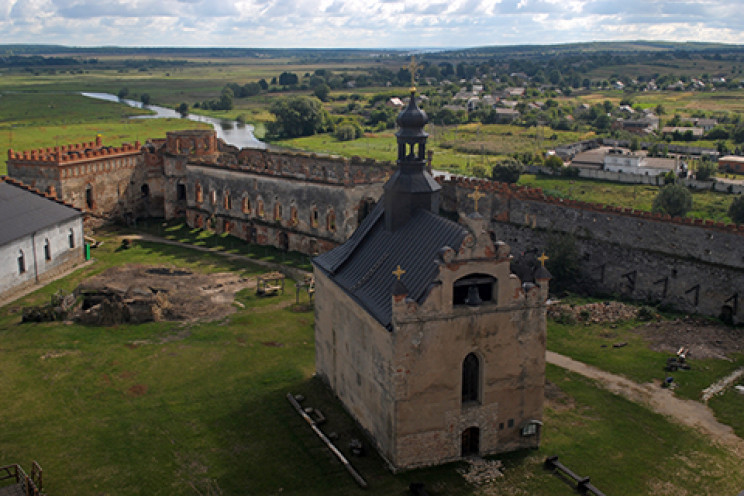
x=399, y=272
x=412, y=68
x=476, y=195
x=543, y=258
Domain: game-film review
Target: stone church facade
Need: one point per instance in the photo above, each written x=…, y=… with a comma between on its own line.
x=422, y=331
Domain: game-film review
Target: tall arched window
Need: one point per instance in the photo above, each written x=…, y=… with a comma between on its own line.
x=331, y=221
x=470, y=379
x=71, y=238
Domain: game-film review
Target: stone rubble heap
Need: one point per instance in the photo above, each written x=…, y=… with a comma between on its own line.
x=480, y=471
x=597, y=313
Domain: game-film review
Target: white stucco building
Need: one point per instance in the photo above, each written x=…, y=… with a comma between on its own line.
x=39, y=236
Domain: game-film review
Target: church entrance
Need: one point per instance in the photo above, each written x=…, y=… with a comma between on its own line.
x=471, y=441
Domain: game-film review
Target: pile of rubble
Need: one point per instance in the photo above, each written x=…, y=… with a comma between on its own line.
x=596, y=313
x=480, y=471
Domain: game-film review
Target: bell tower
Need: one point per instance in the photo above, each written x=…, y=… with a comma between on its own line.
x=411, y=187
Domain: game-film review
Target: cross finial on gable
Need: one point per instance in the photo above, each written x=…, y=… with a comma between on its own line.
x=476, y=195
x=543, y=258
x=398, y=272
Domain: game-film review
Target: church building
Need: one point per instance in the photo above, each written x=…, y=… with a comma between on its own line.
x=423, y=332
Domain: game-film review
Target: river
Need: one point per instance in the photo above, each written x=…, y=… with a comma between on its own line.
x=231, y=132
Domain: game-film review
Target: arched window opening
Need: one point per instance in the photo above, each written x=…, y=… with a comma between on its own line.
x=213, y=197
x=277, y=211
x=474, y=290
x=471, y=441
x=180, y=192
x=89, y=196
x=261, y=212
x=471, y=379
x=314, y=217
x=246, y=205
x=145, y=189
x=21, y=262
x=227, y=201
x=198, y=193
x=293, y=219
x=71, y=238
x=365, y=207
x=331, y=221
x=47, y=250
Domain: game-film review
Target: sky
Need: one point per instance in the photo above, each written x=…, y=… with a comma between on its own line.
x=365, y=23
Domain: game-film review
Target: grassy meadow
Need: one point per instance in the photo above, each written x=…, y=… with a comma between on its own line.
x=36, y=120
x=199, y=408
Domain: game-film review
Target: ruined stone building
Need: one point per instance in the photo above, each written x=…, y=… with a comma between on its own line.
x=40, y=237
x=423, y=332
x=293, y=201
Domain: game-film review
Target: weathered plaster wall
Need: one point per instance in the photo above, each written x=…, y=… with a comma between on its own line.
x=353, y=354
x=431, y=343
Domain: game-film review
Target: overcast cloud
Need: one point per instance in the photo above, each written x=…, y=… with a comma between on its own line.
x=364, y=23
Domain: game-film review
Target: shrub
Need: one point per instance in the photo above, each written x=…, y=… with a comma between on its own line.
x=479, y=170
x=673, y=199
x=554, y=162
x=736, y=210
x=507, y=171
x=705, y=171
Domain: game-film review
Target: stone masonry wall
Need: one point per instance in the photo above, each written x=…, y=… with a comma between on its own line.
x=689, y=264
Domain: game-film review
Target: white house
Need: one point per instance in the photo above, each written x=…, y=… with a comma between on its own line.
x=40, y=237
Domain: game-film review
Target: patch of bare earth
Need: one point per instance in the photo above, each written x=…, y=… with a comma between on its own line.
x=137, y=390
x=703, y=337
x=161, y=293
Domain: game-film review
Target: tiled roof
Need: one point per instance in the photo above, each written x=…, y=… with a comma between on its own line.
x=363, y=266
x=25, y=211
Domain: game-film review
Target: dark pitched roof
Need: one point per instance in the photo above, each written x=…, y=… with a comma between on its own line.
x=363, y=266
x=25, y=211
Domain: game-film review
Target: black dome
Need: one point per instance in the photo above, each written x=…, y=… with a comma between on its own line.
x=412, y=119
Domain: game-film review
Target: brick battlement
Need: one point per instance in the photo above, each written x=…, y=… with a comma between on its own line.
x=536, y=194
x=72, y=153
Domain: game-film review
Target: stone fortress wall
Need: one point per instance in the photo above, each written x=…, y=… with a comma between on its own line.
x=310, y=203
x=689, y=264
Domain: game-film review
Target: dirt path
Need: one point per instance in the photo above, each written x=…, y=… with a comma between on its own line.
x=687, y=412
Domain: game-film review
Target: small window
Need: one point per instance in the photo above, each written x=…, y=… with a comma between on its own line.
x=199, y=193
x=89, y=196
x=71, y=238
x=293, y=219
x=331, y=221
x=277, y=211
x=228, y=201
x=314, y=216
x=261, y=212
x=213, y=197
x=21, y=262
x=180, y=192
x=47, y=250
x=246, y=205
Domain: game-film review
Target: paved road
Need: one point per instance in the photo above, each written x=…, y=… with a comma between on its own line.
x=687, y=412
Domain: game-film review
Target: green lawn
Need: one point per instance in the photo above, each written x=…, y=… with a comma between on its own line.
x=200, y=408
x=705, y=204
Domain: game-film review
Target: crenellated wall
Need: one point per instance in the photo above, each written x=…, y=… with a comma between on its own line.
x=689, y=264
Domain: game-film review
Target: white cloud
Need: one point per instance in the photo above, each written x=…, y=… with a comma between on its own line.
x=363, y=23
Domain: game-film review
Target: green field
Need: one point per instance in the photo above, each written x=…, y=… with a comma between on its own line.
x=200, y=408
x=36, y=120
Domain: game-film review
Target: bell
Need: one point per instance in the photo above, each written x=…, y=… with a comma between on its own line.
x=473, y=299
